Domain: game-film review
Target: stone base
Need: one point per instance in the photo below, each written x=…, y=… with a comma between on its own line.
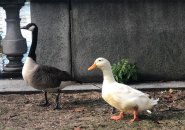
x=15, y=64
x=15, y=75
x=10, y=69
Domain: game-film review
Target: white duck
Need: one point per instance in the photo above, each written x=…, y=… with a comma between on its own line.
x=121, y=96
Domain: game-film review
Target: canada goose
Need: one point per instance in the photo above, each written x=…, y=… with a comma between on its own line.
x=121, y=96
x=42, y=77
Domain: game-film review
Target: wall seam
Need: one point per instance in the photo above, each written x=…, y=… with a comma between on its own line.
x=70, y=38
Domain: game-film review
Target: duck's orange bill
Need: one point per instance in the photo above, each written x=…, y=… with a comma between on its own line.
x=93, y=66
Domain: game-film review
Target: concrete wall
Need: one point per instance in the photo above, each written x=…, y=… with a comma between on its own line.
x=53, y=38
x=150, y=33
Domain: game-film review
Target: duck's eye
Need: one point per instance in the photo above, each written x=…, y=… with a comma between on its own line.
x=99, y=60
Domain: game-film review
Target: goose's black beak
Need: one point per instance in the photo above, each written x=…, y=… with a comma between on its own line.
x=23, y=27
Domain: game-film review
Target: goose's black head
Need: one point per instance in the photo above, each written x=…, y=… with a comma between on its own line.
x=30, y=27
x=34, y=29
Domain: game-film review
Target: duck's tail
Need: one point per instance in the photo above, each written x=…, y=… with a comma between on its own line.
x=152, y=103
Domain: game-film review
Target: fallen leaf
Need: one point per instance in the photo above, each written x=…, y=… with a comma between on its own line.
x=79, y=109
x=171, y=90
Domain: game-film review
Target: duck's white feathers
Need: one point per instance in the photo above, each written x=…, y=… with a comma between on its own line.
x=125, y=98
x=121, y=96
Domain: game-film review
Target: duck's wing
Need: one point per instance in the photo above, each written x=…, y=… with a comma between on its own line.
x=123, y=91
x=133, y=91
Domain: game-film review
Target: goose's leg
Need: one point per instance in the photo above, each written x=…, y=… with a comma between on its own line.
x=119, y=117
x=46, y=103
x=57, y=101
x=135, y=113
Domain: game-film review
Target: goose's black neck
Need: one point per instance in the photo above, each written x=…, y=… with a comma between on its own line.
x=32, y=53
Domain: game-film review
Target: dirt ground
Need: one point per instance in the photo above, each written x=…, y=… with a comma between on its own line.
x=87, y=111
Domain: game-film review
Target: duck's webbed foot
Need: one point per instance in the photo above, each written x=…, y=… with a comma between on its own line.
x=119, y=117
x=134, y=119
x=135, y=113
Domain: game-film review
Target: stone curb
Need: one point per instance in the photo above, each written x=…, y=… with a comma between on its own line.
x=11, y=86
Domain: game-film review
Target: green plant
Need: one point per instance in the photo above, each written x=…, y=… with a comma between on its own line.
x=124, y=71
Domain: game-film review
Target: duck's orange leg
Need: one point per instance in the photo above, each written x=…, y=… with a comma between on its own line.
x=119, y=117
x=135, y=113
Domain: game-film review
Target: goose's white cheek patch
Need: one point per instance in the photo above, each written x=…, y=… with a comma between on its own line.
x=31, y=28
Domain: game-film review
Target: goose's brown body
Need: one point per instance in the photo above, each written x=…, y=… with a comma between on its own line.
x=42, y=77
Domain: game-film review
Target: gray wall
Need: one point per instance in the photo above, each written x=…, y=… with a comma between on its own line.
x=150, y=33
x=53, y=38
